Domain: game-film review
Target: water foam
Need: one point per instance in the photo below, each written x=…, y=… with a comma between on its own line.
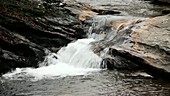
x=75, y=59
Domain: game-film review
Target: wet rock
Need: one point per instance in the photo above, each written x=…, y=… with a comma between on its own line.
x=105, y=11
x=166, y=11
x=117, y=62
x=140, y=74
x=144, y=42
x=28, y=28
x=86, y=14
x=164, y=1
x=17, y=51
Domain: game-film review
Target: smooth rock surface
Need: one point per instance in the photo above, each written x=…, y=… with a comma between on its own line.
x=143, y=42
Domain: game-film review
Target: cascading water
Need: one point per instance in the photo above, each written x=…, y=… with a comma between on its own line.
x=75, y=59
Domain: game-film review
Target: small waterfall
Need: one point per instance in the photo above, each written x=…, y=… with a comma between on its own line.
x=101, y=27
x=79, y=54
x=76, y=58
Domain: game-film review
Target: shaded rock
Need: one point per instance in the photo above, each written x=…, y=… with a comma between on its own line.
x=117, y=62
x=105, y=11
x=164, y=1
x=28, y=28
x=17, y=51
x=166, y=11
x=45, y=26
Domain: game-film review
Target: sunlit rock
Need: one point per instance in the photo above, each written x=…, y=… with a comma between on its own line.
x=144, y=42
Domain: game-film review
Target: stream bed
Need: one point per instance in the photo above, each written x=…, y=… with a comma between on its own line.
x=89, y=82
x=102, y=83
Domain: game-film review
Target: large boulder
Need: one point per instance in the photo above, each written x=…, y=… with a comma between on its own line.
x=141, y=42
x=17, y=51
x=29, y=27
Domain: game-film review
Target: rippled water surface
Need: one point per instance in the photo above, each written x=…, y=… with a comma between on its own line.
x=103, y=83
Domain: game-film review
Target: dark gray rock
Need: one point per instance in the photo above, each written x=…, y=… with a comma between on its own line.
x=29, y=27
x=164, y=1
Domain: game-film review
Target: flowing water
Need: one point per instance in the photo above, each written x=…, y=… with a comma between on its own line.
x=76, y=58
x=75, y=70
x=102, y=83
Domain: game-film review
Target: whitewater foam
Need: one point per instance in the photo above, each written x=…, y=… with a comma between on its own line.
x=76, y=58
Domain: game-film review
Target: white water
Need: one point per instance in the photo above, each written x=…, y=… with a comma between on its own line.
x=75, y=59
